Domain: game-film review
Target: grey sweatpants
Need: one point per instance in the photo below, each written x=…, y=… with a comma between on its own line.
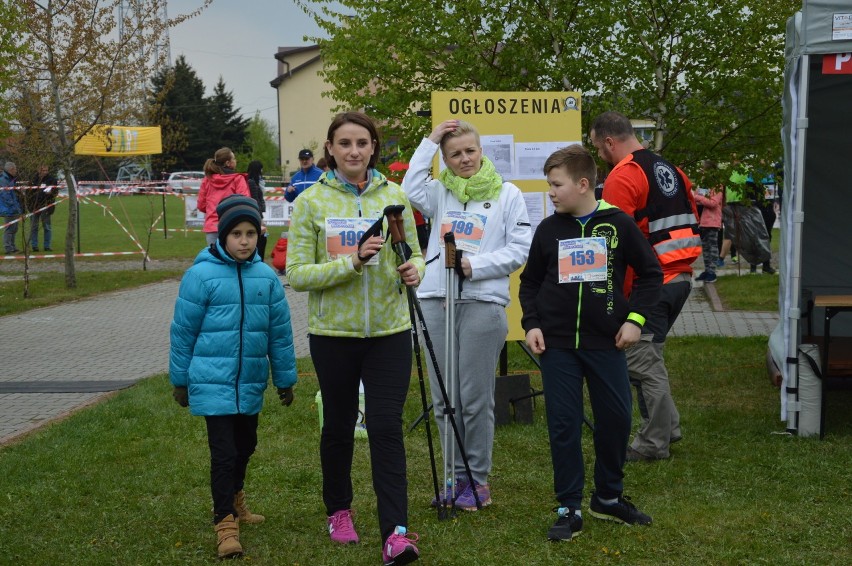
x=480, y=333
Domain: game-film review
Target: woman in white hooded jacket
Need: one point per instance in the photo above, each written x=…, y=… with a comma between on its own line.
x=491, y=225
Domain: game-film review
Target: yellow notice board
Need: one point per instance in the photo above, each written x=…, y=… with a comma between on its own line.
x=519, y=131
x=118, y=141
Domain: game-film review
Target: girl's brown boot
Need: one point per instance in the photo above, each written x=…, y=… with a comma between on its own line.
x=243, y=512
x=228, y=537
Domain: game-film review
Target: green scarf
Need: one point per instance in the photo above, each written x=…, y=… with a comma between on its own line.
x=485, y=184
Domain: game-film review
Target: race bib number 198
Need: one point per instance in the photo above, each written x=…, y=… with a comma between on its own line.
x=467, y=228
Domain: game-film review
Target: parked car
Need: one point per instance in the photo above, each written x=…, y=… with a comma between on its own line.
x=185, y=181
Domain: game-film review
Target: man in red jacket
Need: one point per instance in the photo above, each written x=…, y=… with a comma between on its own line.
x=659, y=197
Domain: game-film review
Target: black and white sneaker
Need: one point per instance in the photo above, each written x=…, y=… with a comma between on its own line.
x=622, y=511
x=567, y=525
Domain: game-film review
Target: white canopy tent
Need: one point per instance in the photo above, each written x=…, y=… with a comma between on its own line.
x=816, y=210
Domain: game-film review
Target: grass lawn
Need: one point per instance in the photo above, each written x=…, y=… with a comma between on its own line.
x=126, y=482
x=109, y=224
x=106, y=226
x=748, y=292
x=48, y=288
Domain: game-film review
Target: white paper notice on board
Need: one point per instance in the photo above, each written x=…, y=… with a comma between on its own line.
x=530, y=157
x=499, y=150
x=535, y=208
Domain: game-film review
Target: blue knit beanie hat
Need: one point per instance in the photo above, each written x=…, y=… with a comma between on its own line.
x=234, y=209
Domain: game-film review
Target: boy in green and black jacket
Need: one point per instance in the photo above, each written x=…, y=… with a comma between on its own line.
x=578, y=319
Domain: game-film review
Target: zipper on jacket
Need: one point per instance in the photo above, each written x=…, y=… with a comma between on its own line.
x=242, y=321
x=365, y=283
x=366, y=291
x=579, y=297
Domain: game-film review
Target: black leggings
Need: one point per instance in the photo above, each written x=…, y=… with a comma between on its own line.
x=384, y=365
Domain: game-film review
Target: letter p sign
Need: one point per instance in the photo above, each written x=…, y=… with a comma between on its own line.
x=837, y=64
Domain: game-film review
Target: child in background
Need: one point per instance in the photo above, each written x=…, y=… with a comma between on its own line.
x=711, y=200
x=578, y=320
x=220, y=180
x=231, y=320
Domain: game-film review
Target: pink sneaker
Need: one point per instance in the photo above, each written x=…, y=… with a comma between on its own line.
x=341, y=529
x=400, y=548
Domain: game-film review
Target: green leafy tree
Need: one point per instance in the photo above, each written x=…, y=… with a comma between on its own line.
x=10, y=49
x=84, y=66
x=261, y=145
x=707, y=73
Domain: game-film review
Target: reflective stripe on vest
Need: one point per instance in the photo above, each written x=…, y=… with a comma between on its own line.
x=670, y=222
x=684, y=244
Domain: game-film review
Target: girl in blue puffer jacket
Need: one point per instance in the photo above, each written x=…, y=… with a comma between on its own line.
x=231, y=321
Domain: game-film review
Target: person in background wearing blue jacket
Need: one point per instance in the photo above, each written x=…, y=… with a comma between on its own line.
x=231, y=322
x=10, y=206
x=307, y=175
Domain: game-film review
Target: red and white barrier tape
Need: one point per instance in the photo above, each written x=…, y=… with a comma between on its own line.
x=117, y=221
x=90, y=254
x=28, y=214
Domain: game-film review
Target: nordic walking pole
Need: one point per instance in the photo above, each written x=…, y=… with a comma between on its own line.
x=452, y=262
x=431, y=349
x=396, y=219
x=449, y=357
x=401, y=248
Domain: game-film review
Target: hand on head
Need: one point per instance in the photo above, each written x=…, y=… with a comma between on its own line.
x=443, y=129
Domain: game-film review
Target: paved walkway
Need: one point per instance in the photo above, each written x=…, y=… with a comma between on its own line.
x=59, y=359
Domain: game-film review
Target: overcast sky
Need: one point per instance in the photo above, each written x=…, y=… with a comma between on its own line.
x=237, y=40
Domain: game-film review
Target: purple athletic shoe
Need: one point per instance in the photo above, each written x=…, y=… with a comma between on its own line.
x=467, y=502
x=446, y=493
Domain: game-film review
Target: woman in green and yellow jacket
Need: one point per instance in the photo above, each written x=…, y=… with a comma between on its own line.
x=359, y=326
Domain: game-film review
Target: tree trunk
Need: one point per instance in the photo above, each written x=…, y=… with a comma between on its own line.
x=71, y=231
x=65, y=150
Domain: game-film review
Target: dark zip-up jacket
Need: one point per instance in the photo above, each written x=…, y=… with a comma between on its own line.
x=588, y=315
